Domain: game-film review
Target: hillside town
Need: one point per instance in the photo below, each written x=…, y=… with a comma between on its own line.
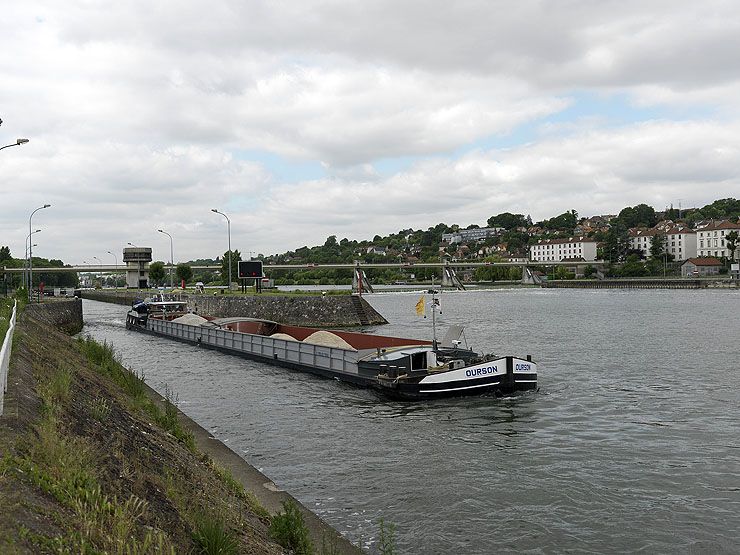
x=638, y=241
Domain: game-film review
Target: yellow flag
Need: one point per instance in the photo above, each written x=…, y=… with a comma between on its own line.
x=420, y=306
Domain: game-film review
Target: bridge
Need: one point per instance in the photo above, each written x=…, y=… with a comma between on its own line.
x=448, y=268
x=110, y=268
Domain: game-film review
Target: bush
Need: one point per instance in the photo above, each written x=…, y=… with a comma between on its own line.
x=290, y=530
x=212, y=537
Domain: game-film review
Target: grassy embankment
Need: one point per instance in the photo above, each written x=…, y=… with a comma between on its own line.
x=90, y=463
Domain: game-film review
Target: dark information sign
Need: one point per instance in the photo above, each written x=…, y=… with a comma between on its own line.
x=250, y=269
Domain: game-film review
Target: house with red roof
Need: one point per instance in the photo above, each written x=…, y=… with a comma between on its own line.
x=695, y=267
x=678, y=239
x=711, y=238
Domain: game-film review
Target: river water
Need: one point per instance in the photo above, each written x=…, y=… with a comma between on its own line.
x=632, y=442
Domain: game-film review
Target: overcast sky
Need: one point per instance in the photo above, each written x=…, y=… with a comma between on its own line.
x=306, y=119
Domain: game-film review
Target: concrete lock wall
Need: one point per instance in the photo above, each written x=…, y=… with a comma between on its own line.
x=308, y=310
x=63, y=314
x=336, y=310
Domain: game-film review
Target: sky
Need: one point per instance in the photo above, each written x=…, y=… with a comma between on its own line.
x=301, y=120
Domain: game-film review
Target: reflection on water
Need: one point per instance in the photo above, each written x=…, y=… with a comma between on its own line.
x=631, y=442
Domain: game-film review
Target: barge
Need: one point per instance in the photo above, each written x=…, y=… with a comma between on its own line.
x=408, y=369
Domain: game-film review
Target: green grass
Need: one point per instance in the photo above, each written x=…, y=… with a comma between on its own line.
x=99, y=408
x=289, y=529
x=55, y=391
x=236, y=487
x=105, y=361
x=64, y=466
x=212, y=537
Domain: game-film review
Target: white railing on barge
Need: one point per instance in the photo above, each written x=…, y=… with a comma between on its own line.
x=295, y=352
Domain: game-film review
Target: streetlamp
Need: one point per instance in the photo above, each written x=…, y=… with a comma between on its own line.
x=17, y=143
x=115, y=279
x=98, y=273
x=25, y=273
x=132, y=245
x=228, y=223
x=25, y=257
x=172, y=258
x=30, y=249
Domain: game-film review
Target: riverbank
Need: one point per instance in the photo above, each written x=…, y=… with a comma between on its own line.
x=93, y=459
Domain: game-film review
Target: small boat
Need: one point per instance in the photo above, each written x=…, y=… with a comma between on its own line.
x=401, y=368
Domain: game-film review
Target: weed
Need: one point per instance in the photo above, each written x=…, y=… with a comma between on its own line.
x=60, y=465
x=236, y=487
x=212, y=537
x=106, y=362
x=289, y=529
x=100, y=409
x=63, y=466
x=387, y=538
x=55, y=390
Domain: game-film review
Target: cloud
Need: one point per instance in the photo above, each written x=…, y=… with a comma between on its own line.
x=145, y=115
x=593, y=172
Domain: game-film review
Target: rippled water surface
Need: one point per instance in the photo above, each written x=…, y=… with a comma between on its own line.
x=631, y=443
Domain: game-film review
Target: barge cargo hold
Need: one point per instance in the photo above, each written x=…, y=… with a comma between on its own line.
x=401, y=368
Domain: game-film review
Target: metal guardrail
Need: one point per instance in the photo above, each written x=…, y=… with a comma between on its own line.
x=5, y=358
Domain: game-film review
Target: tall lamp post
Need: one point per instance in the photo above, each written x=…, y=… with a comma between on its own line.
x=99, y=264
x=228, y=223
x=17, y=143
x=25, y=274
x=172, y=258
x=25, y=257
x=115, y=279
x=30, y=252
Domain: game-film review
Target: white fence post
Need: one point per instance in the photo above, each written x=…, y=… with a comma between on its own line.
x=5, y=358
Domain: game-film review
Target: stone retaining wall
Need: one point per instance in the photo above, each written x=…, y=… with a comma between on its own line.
x=297, y=310
x=65, y=314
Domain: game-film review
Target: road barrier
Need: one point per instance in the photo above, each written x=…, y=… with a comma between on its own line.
x=5, y=358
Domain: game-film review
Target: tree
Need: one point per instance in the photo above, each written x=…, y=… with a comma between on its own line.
x=5, y=254
x=156, y=272
x=235, y=258
x=656, y=246
x=640, y=215
x=565, y=221
x=616, y=243
x=507, y=220
x=184, y=272
x=731, y=242
x=723, y=208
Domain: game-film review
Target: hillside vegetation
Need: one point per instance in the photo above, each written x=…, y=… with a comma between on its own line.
x=91, y=462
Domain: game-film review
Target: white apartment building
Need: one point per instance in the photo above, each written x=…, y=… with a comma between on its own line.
x=678, y=240
x=711, y=239
x=557, y=250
